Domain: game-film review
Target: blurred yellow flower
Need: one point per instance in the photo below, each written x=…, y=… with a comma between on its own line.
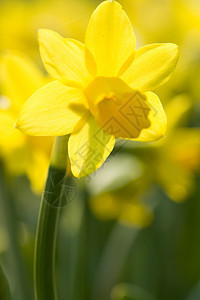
x=177, y=163
x=118, y=192
x=178, y=21
x=175, y=159
x=114, y=205
x=20, y=20
x=101, y=90
x=21, y=154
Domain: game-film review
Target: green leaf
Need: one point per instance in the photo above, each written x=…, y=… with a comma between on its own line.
x=124, y=291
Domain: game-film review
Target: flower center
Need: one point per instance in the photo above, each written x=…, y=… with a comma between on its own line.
x=118, y=109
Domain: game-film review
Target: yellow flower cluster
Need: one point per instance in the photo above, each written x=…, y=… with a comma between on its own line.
x=21, y=154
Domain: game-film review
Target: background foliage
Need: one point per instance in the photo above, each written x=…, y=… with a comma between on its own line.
x=131, y=230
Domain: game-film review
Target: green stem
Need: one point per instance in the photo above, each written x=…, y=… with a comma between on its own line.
x=4, y=287
x=51, y=203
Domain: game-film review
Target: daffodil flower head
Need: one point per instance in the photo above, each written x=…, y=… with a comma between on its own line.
x=102, y=89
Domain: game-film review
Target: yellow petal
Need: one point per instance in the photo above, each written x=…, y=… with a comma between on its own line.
x=177, y=111
x=89, y=146
x=176, y=182
x=110, y=38
x=151, y=66
x=20, y=78
x=9, y=137
x=184, y=148
x=63, y=58
x=157, y=119
x=53, y=110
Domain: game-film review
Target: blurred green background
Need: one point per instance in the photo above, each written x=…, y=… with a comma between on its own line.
x=132, y=229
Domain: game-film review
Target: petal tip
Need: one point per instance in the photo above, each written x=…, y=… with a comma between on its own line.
x=174, y=47
x=42, y=32
x=17, y=124
x=39, y=32
x=78, y=173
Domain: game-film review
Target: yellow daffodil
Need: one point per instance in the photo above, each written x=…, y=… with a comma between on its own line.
x=21, y=154
x=176, y=159
x=101, y=90
x=178, y=21
x=177, y=163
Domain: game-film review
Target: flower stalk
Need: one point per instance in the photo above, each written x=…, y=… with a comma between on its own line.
x=51, y=203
